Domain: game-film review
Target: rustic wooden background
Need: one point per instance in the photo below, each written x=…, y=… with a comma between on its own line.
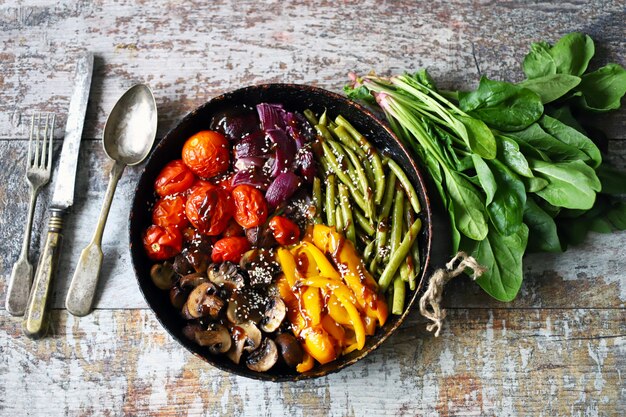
x=559, y=349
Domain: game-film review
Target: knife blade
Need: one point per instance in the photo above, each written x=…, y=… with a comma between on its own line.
x=63, y=196
x=35, y=322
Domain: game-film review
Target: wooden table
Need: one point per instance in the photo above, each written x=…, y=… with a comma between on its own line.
x=559, y=349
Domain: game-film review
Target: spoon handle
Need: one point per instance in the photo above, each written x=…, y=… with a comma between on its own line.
x=85, y=280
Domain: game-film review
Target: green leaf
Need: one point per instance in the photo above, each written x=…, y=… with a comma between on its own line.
x=551, y=87
x=506, y=211
x=617, y=216
x=613, y=181
x=535, y=184
x=603, y=89
x=502, y=105
x=572, y=53
x=502, y=255
x=571, y=184
x=423, y=77
x=549, y=147
x=469, y=210
x=572, y=137
x=542, y=231
x=485, y=176
x=513, y=158
x=359, y=93
x=481, y=139
x=538, y=62
x=564, y=115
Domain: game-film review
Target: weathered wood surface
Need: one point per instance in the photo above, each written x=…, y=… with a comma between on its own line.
x=559, y=349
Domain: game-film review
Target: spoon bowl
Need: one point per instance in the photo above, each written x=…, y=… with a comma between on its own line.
x=131, y=127
x=128, y=136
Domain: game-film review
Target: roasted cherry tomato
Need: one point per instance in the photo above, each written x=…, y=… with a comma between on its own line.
x=209, y=208
x=206, y=153
x=174, y=178
x=162, y=243
x=250, y=206
x=230, y=249
x=285, y=231
x=170, y=211
x=233, y=229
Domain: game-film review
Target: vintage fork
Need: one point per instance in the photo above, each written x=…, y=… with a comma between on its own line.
x=38, y=167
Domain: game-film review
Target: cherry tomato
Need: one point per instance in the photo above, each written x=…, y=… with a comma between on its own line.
x=206, y=153
x=285, y=231
x=230, y=249
x=224, y=181
x=250, y=206
x=197, y=184
x=233, y=229
x=209, y=208
x=170, y=211
x=174, y=178
x=162, y=243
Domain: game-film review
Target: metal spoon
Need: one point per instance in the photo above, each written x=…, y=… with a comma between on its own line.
x=128, y=137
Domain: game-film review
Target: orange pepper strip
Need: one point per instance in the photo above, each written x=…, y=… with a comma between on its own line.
x=334, y=286
x=307, y=363
x=334, y=329
x=323, y=264
x=311, y=265
x=350, y=348
x=336, y=310
x=319, y=344
x=312, y=304
x=287, y=264
x=293, y=308
x=357, y=321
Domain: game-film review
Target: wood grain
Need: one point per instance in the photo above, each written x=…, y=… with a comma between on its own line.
x=558, y=349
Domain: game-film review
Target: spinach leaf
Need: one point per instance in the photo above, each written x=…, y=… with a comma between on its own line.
x=571, y=184
x=603, y=89
x=480, y=137
x=613, y=181
x=572, y=137
x=485, y=177
x=512, y=156
x=546, y=145
x=551, y=87
x=564, y=115
x=506, y=211
x=535, y=184
x=469, y=210
x=572, y=53
x=502, y=255
x=542, y=231
x=538, y=62
x=502, y=105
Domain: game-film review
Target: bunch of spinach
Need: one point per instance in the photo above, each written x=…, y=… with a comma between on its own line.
x=512, y=162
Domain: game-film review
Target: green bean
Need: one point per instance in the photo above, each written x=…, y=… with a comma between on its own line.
x=374, y=264
x=406, y=184
x=348, y=221
x=323, y=119
x=339, y=219
x=390, y=296
x=406, y=269
x=346, y=139
x=395, y=236
x=377, y=165
x=310, y=116
x=398, y=256
x=333, y=166
x=412, y=259
x=323, y=132
x=382, y=225
x=399, y=293
x=330, y=200
x=342, y=159
x=360, y=174
x=317, y=196
x=367, y=253
x=362, y=221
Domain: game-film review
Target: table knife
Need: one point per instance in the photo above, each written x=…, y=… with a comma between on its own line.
x=35, y=323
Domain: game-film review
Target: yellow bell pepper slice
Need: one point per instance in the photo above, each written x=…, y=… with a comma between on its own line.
x=312, y=305
x=334, y=329
x=319, y=344
x=323, y=264
x=287, y=264
x=307, y=363
x=305, y=263
x=336, y=311
x=334, y=286
x=357, y=321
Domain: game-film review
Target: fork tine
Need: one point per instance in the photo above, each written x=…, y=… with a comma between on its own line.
x=30, y=139
x=44, y=142
x=37, y=134
x=49, y=162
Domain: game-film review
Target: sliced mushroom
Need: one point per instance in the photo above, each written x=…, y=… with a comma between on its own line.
x=245, y=306
x=185, y=313
x=245, y=336
x=226, y=275
x=264, y=357
x=178, y=296
x=261, y=266
x=275, y=313
x=192, y=280
x=203, y=302
x=216, y=338
x=190, y=330
x=162, y=275
x=289, y=348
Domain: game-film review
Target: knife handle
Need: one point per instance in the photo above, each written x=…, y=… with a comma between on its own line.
x=35, y=323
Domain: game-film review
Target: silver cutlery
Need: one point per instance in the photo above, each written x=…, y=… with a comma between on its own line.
x=35, y=322
x=38, y=167
x=128, y=137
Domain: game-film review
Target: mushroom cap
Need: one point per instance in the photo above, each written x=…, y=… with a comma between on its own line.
x=245, y=306
x=215, y=337
x=226, y=275
x=264, y=357
x=275, y=313
x=290, y=349
x=252, y=336
x=192, y=280
x=245, y=336
x=203, y=302
x=162, y=275
x=178, y=296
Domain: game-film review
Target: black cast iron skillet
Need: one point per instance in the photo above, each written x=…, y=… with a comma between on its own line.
x=295, y=98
